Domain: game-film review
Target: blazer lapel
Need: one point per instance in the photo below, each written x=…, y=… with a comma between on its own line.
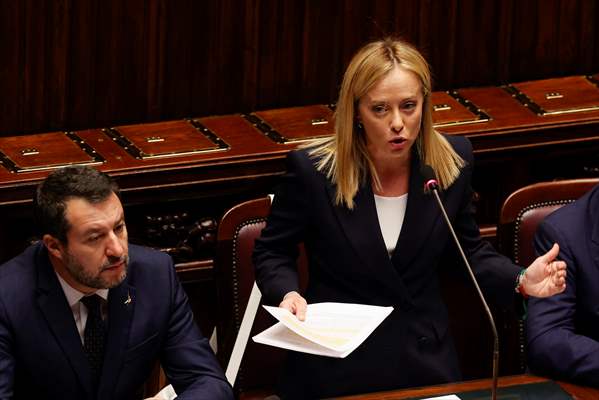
x=58, y=315
x=121, y=304
x=361, y=227
x=422, y=212
x=362, y=231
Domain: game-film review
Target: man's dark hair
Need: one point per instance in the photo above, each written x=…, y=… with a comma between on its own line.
x=49, y=201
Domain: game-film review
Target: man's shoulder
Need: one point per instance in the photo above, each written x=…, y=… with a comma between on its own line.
x=18, y=276
x=146, y=261
x=21, y=265
x=145, y=253
x=575, y=219
x=585, y=207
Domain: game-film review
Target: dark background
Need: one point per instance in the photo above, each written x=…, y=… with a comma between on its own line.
x=74, y=64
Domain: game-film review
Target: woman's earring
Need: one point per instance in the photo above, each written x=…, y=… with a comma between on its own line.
x=359, y=125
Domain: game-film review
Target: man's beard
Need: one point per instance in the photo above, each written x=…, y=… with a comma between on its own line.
x=96, y=281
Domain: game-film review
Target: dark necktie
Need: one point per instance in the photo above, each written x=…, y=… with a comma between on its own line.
x=94, y=335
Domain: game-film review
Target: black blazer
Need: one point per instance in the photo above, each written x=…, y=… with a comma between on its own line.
x=149, y=319
x=348, y=262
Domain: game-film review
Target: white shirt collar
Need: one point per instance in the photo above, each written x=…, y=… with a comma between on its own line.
x=73, y=295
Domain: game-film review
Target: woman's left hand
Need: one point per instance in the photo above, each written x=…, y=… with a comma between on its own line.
x=546, y=276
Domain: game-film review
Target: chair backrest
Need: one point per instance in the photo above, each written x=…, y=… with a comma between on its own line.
x=521, y=214
x=524, y=209
x=234, y=273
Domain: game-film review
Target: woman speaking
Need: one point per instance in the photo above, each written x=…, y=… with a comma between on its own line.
x=373, y=236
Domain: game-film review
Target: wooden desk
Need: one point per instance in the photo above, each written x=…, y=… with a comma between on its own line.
x=577, y=392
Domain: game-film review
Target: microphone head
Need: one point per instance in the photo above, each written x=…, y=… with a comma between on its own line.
x=430, y=179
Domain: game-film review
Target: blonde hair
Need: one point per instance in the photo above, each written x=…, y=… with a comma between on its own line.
x=344, y=157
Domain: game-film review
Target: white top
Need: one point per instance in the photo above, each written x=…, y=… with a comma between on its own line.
x=391, y=212
x=77, y=307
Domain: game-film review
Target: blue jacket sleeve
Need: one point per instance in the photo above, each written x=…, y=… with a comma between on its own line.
x=7, y=359
x=554, y=347
x=186, y=356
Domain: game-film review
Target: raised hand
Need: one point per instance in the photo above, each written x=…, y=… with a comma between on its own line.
x=546, y=276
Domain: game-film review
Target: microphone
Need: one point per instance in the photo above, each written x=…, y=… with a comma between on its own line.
x=432, y=185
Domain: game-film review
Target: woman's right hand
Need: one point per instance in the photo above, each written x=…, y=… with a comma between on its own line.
x=296, y=305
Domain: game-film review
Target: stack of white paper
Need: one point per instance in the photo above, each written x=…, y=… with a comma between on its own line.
x=330, y=329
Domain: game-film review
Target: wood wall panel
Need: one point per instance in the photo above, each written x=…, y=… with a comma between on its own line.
x=74, y=64
x=10, y=67
x=82, y=67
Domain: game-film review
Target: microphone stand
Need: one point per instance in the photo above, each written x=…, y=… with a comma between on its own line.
x=480, y=294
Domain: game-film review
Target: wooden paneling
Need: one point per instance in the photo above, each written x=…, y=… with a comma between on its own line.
x=74, y=64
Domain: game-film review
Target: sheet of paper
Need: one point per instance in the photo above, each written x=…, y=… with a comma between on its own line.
x=330, y=329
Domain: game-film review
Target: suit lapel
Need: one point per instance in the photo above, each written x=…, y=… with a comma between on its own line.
x=55, y=308
x=360, y=225
x=362, y=231
x=121, y=304
x=422, y=212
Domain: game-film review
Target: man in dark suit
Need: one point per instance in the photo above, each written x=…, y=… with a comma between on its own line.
x=85, y=315
x=563, y=331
